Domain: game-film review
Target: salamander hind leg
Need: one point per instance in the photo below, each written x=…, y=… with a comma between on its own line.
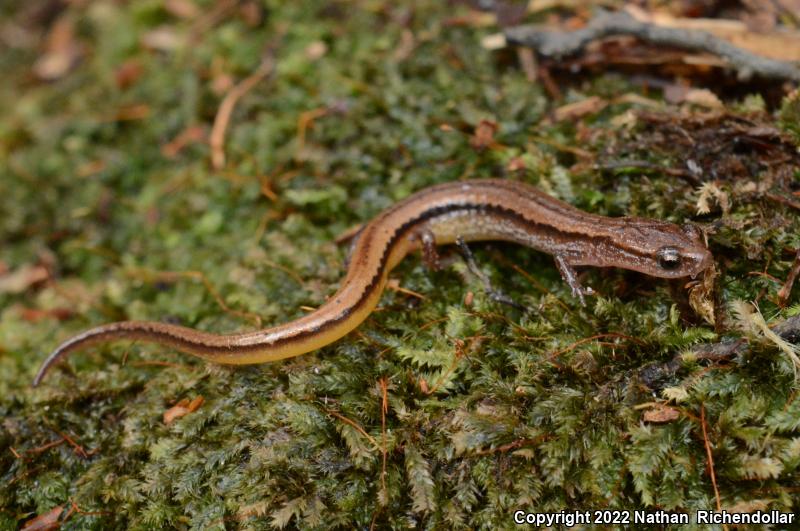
x=570, y=276
x=495, y=294
x=427, y=243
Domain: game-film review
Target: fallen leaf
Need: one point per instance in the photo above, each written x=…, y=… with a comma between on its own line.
x=132, y=112
x=578, y=109
x=315, y=50
x=91, y=168
x=702, y=97
x=191, y=135
x=661, y=414
x=222, y=83
x=473, y=19
x=34, y=314
x=406, y=45
x=23, y=278
x=62, y=51
x=182, y=408
x=162, y=39
x=495, y=41
x=516, y=164
x=128, y=73
x=46, y=521
x=423, y=386
x=484, y=135
x=252, y=13
x=468, y=299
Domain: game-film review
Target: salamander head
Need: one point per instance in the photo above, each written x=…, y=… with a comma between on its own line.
x=662, y=249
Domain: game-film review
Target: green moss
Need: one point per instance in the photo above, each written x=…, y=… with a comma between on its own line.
x=489, y=409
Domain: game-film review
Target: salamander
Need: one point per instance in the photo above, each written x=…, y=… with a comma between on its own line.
x=473, y=210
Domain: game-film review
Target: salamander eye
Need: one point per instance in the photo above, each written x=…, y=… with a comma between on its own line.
x=669, y=258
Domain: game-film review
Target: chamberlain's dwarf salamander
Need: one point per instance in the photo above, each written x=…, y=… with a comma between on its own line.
x=491, y=209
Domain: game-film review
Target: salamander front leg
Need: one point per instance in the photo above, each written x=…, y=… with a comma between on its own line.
x=494, y=294
x=427, y=244
x=570, y=276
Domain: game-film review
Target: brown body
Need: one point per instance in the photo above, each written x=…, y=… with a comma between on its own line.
x=491, y=209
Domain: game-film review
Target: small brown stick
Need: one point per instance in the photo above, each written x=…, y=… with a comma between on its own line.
x=710, y=459
x=786, y=289
x=217, y=138
x=75, y=509
x=44, y=447
x=77, y=447
x=24, y=475
x=578, y=152
x=297, y=278
x=355, y=425
x=384, y=409
x=783, y=200
x=559, y=43
x=304, y=123
x=765, y=275
x=394, y=285
x=592, y=338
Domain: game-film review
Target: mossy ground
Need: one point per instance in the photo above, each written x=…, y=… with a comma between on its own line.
x=489, y=410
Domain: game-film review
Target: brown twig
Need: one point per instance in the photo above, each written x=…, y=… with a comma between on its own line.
x=783, y=200
x=559, y=43
x=578, y=152
x=75, y=446
x=592, y=338
x=24, y=475
x=44, y=447
x=75, y=509
x=355, y=425
x=304, y=123
x=764, y=275
x=217, y=138
x=394, y=285
x=384, y=409
x=710, y=459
